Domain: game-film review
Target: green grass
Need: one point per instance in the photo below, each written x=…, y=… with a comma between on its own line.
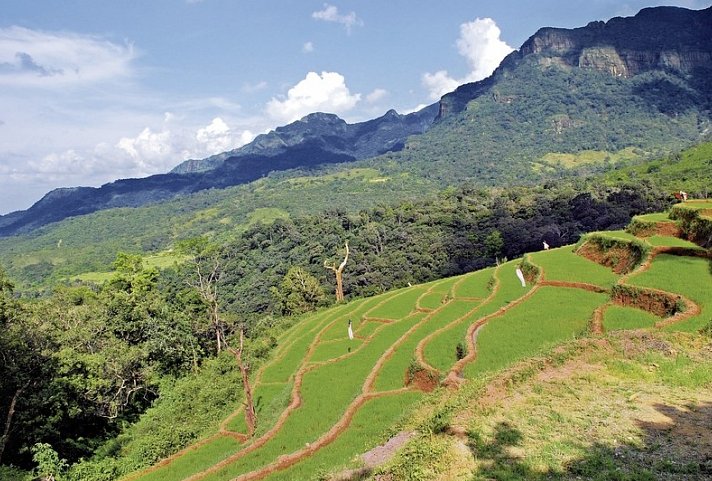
x=367, y=328
x=266, y=215
x=338, y=330
x=393, y=373
x=617, y=234
x=270, y=399
x=343, y=380
x=365, y=432
x=562, y=264
x=475, y=284
x=688, y=276
x=441, y=350
x=585, y=157
x=198, y=460
x=550, y=316
x=623, y=317
x=432, y=300
x=392, y=376
x=295, y=348
x=658, y=240
x=399, y=305
x=161, y=260
x=334, y=349
x=656, y=217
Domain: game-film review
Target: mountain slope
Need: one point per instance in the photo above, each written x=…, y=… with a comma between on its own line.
x=317, y=139
x=533, y=121
x=630, y=88
x=456, y=332
x=331, y=134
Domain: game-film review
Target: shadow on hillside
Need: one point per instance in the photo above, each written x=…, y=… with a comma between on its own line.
x=676, y=445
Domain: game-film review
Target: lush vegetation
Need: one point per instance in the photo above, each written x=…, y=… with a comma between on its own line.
x=158, y=333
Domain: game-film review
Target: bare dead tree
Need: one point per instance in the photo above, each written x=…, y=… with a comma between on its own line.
x=338, y=272
x=250, y=414
x=207, y=266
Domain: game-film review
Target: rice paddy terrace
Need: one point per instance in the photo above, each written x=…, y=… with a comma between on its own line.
x=323, y=398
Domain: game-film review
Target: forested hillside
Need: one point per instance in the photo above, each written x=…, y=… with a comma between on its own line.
x=113, y=361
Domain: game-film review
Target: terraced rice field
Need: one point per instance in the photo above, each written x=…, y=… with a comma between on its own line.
x=324, y=398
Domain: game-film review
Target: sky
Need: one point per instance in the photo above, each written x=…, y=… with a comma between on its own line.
x=96, y=90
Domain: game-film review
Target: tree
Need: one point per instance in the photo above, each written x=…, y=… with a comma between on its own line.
x=205, y=261
x=299, y=292
x=494, y=243
x=338, y=272
x=207, y=265
x=250, y=413
x=49, y=465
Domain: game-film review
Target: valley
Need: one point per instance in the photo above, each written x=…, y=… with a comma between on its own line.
x=526, y=290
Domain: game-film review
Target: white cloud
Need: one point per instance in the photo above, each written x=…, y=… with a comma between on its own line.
x=481, y=46
x=376, y=95
x=215, y=137
x=308, y=47
x=331, y=14
x=32, y=58
x=326, y=92
x=150, y=152
x=440, y=83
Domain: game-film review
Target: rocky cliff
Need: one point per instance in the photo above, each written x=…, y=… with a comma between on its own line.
x=660, y=38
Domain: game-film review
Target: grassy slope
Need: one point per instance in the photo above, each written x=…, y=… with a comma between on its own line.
x=690, y=170
x=389, y=328
x=634, y=406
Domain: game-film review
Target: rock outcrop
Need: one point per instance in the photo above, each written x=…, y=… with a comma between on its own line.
x=659, y=38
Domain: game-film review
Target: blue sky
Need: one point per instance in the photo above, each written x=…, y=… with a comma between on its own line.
x=92, y=91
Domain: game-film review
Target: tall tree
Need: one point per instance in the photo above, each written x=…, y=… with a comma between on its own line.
x=338, y=272
x=299, y=292
x=206, y=263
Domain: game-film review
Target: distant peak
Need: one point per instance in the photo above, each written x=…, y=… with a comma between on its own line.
x=322, y=117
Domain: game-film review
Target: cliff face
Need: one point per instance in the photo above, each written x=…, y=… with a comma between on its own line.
x=660, y=38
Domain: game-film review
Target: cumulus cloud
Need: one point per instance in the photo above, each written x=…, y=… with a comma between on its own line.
x=331, y=14
x=32, y=58
x=308, y=47
x=376, y=95
x=151, y=151
x=480, y=45
x=326, y=92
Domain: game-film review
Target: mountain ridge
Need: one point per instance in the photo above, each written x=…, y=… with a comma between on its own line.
x=565, y=90
x=317, y=139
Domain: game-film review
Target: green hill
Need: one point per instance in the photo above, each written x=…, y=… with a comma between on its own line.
x=570, y=319
x=568, y=104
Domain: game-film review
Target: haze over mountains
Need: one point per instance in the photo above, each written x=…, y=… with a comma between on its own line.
x=639, y=83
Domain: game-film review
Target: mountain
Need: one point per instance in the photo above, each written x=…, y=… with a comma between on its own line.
x=539, y=117
x=317, y=139
x=575, y=102
x=332, y=134
x=669, y=39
